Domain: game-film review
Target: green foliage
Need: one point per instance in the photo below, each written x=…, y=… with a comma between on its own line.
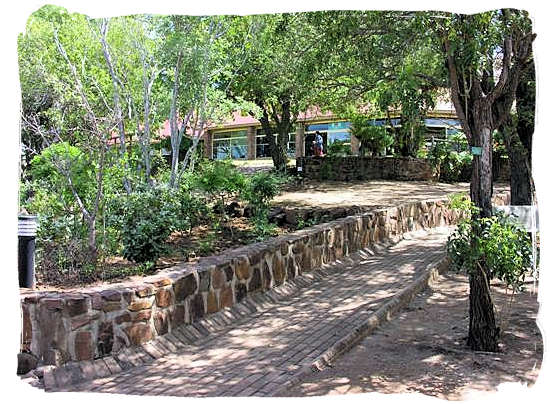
x=502, y=246
x=263, y=229
x=150, y=216
x=260, y=189
x=205, y=246
x=462, y=203
x=47, y=171
x=451, y=159
x=338, y=148
x=374, y=139
x=220, y=179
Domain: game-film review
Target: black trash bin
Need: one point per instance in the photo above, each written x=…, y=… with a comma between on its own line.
x=27, y=225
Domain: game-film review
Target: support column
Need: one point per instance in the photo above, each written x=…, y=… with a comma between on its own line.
x=251, y=142
x=354, y=145
x=300, y=141
x=207, y=144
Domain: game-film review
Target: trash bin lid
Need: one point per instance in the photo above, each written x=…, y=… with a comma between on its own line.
x=27, y=225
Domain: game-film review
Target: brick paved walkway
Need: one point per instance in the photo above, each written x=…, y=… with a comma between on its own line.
x=256, y=355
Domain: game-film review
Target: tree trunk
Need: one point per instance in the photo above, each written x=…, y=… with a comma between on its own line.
x=92, y=243
x=519, y=139
x=277, y=149
x=520, y=173
x=483, y=333
x=116, y=100
x=175, y=139
x=481, y=185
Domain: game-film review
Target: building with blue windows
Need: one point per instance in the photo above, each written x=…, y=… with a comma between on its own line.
x=243, y=138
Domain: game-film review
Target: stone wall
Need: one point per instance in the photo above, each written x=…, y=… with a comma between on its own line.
x=93, y=322
x=365, y=168
x=349, y=168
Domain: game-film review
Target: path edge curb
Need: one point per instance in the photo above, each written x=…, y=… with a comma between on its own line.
x=379, y=317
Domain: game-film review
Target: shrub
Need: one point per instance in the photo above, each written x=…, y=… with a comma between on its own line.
x=219, y=179
x=374, y=139
x=150, y=216
x=497, y=242
x=260, y=189
x=451, y=159
x=263, y=229
x=338, y=148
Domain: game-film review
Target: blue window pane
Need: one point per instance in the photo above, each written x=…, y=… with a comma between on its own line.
x=317, y=126
x=221, y=153
x=339, y=125
x=238, y=152
x=342, y=136
x=441, y=122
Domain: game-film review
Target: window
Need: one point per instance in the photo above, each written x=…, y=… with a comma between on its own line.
x=321, y=127
x=291, y=145
x=230, y=145
x=262, y=144
x=437, y=132
x=342, y=136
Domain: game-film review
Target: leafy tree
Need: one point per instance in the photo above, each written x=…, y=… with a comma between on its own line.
x=482, y=99
x=198, y=54
x=467, y=47
x=279, y=76
x=380, y=63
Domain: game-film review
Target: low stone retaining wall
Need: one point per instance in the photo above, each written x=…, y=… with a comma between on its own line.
x=94, y=322
x=348, y=168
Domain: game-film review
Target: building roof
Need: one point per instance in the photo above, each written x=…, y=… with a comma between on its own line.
x=443, y=108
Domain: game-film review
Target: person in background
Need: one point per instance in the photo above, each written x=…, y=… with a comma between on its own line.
x=318, y=144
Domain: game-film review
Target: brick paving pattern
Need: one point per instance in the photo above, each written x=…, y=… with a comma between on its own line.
x=278, y=334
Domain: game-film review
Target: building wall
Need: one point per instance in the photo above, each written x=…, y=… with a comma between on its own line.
x=251, y=138
x=335, y=130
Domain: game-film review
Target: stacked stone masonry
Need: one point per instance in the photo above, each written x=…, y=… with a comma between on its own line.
x=349, y=168
x=96, y=322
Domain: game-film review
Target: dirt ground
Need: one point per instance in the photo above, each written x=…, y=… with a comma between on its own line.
x=375, y=193
x=423, y=349
x=205, y=240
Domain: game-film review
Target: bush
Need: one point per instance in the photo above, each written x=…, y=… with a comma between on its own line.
x=150, y=216
x=451, y=159
x=338, y=148
x=374, y=139
x=503, y=246
x=219, y=179
x=263, y=229
x=260, y=189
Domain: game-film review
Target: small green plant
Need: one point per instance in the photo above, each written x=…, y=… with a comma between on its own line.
x=260, y=189
x=499, y=243
x=451, y=159
x=338, y=148
x=303, y=223
x=219, y=179
x=263, y=229
x=149, y=218
x=206, y=245
x=374, y=139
